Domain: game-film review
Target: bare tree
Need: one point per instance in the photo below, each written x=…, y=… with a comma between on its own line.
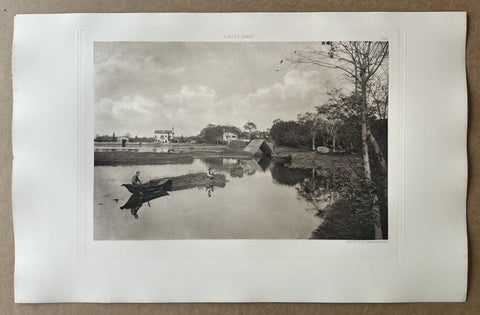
x=378, y=97
x=359, y=63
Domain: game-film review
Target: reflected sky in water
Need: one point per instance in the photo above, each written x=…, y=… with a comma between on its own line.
x=252, y=205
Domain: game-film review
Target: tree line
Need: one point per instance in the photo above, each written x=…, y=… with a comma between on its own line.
x=114, y=138
x=330, y=125
x=212, y=134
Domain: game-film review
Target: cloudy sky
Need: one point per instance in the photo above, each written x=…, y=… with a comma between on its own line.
x=143, y=86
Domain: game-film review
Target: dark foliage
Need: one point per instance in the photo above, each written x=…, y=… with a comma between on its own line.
x=379, y=128
x=342, y=223
x=214, y=133
x=290, y=133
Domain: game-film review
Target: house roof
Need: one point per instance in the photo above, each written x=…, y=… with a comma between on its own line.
x=259, y=145
x=163, y=131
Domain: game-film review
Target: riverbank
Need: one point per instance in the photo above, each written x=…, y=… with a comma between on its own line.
x=115, y=158
x=346, y=218
x=140, y=158
x=301, y=158
x=341, y=222
x=315, y=160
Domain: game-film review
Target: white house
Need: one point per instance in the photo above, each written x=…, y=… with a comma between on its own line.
x=229, y=136
x=163, y=136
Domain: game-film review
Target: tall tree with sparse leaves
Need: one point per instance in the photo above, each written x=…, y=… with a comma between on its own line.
x=359, y=62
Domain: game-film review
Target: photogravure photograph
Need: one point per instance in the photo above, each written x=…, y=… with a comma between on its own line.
x=241, y=140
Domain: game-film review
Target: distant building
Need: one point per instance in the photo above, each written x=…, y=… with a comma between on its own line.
x=163, y=136
x=229, y=136
x=123, y=140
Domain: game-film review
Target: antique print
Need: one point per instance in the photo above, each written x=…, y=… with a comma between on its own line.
x=241, y=140
x=240, y=157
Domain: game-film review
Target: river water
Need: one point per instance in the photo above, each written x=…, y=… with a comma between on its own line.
x=261, y=200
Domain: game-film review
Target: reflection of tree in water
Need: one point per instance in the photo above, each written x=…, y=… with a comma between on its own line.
x=313, y=185
x=338, y=194
x=237, y=172
x=317, y=190
x=237, y=168
x=282, y=174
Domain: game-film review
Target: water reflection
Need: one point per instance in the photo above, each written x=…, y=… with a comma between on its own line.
x=259, y=199
x=264, y=162
x=318, y=191
x=136, y=201
x=157, y=188
x=316, y=186
x=209, y=190
x=237, y=168
x=283, y=174
x=339, y=194
x=249, y=206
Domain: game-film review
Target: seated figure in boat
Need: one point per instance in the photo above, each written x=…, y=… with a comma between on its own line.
x=210, y=173
x=136, y=180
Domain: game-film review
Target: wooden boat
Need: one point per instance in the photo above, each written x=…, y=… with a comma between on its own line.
x=178, y=183
x=158, y=188
x=150, y=187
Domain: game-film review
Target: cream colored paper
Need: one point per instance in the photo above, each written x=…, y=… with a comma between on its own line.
x=57, y=260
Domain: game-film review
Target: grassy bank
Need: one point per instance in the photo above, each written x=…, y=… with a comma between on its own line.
x=152, y=158
x=314, y=160
x=227, y=153
x=140, y=158
x=197, y=180
x=303, y=158
x=343, y=223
